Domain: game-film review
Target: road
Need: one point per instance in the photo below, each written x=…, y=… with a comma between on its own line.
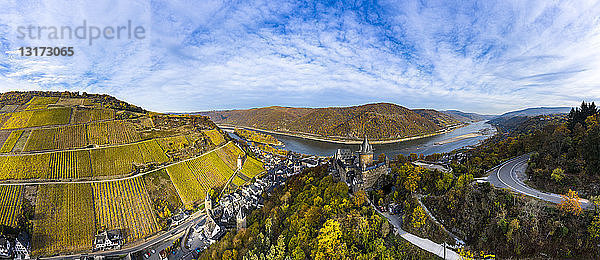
x=423, y=243
x=168, y=235
x=506, y=175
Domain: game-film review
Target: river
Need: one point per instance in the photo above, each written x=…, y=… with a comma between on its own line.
x=426, y=145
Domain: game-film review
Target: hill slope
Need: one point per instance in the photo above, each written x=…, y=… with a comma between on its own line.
x=151, y=165
x=466, y=117
x=380, y=121
x=538, y=111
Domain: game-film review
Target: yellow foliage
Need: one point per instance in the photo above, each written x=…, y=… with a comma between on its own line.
x=570, y=203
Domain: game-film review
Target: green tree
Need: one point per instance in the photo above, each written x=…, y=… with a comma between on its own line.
x=594, y=227
x=330, y=243
x=557, y=174
x=418, y=217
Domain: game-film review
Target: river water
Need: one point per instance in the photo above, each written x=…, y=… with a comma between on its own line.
x=426, y=145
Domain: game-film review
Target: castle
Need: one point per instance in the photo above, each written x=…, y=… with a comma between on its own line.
x=359, y=170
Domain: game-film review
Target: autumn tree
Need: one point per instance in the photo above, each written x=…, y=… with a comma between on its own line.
x=411, y=176
x=360, y=198
x=330, y=244
x=418, y=217
x=557, y=174
x=570, y=203
x=594, y=227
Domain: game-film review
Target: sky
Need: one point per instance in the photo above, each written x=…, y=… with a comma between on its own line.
x=477, y=56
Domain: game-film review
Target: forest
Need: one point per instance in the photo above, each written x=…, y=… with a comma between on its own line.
x=314, y=217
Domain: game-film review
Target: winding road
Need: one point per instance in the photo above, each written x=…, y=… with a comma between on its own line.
x=506, y=175
x=423, y=243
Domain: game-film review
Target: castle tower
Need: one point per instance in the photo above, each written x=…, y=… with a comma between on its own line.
x=240, y=219
x=207, y=203
x=240, y=162
x=366, y=154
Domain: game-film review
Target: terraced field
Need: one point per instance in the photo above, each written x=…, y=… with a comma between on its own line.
x=237, y=181
x=112, y=133
x=53, y=116
x=25, y=167
x=10, y=142
x=229, y=154
x=173, y=143
x=50, y=138
x=189, y=185
x=64, y=137
x=10, y=204
x=3, y=118
x=9, y=108
x=17, y=120
x=64, y=219
x=119, y=160
x=125, y=205
x=70, y=165
x=212, y=169
x=35, y=118
x=40, y=102
x=215, y=136
x=64, y=164
x=81, y=116
x=3, y=136
x=192, y=178
x=252, y=167
x=70, y=101
x=106, y=161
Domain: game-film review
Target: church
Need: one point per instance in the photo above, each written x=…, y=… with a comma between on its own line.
x=358, y=169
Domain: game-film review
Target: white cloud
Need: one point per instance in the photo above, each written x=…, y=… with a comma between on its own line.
x=486, y=57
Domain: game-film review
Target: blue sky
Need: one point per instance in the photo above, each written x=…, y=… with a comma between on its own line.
x=475, y=56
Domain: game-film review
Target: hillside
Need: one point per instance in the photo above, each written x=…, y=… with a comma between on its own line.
x=314, y=217
x=439, y=118
x=74, y=164
x=537, y=111
x=380, y=121
x=467, y=117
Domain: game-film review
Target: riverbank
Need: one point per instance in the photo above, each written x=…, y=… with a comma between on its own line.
x=458, y=138
x=346, y=142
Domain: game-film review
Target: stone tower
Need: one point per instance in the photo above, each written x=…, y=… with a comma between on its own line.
x=207, y=203
x=366, y=154
x=240, y=162
x=240, y=219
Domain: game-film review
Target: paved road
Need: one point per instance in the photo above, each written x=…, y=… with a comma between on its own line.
x=506, y=176
x=423, y=243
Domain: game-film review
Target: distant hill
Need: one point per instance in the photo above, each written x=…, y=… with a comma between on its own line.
x=538, y=111
x=380, y=121
x=440, y=118
x=527, y=119
x=467, y=117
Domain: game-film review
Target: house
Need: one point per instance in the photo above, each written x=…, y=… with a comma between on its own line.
x=22, y=246
x=5, y=250
x=111, y=239
x=179, y=218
